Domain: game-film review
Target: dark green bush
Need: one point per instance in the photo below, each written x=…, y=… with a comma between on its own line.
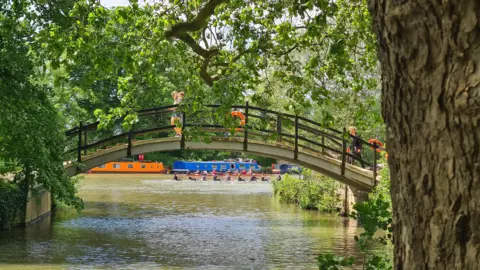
x=315, y=191
x=11, y=204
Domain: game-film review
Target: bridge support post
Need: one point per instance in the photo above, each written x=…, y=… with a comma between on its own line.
x=347, y=201
x=130, y=137
x=375, y=164
x=79, y=150
x=85, y=141
x=279, y=127
x=323, y=143
x=182, y=139
x=344, y=150
x=295, y=153
x=245, y=129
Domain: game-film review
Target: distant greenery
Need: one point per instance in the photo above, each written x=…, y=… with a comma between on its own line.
x=314, y=192
x=374, y=215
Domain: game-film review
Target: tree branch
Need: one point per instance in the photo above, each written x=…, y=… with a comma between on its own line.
x=214, y=35
x=197, y=48
x=287, y=51
x=198, y=23
x=235, y=59
x=180, y=31
x=204, y=74
x=204, y=37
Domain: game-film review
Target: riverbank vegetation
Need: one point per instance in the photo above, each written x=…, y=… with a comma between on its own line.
x=375, y=216
x=314, y=191
x=31, y=137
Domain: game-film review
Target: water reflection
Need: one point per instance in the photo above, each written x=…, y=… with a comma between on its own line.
x=134, y=221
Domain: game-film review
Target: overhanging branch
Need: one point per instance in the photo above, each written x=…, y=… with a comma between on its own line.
x=180, y=31
x=198, y=23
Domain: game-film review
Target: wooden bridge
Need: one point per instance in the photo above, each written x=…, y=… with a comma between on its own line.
x=266, y=133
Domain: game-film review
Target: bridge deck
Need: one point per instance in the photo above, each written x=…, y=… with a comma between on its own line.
x=353, y=175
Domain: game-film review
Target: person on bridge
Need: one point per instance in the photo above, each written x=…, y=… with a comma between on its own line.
x=176, y=117
x=356, y=147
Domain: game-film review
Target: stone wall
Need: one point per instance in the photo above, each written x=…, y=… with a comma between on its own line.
x=350, y=196
x=38, y=206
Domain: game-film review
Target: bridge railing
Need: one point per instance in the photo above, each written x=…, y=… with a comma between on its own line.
x=292, y=131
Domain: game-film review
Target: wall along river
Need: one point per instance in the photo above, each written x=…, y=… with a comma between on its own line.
x=142, y=221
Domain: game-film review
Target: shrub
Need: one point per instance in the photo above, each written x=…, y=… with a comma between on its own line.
x=11, y=204
x=314, y=192
x=375, y=216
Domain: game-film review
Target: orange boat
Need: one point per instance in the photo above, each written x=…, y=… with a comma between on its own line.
x=130, y=167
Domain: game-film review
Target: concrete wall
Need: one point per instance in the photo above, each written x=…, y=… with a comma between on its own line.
x=38, y=206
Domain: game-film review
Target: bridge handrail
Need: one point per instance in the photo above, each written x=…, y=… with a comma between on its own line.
x=167, y=108
x=338, y=138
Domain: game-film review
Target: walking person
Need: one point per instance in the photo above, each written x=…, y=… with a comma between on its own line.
x=356, y=146
x=177, y=117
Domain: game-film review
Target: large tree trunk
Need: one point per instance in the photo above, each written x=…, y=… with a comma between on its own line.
x=430, y=58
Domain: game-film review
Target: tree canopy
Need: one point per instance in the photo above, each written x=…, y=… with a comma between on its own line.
x=309, y=55
x=31, y=141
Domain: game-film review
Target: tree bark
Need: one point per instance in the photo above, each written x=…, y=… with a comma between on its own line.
x=430, y=55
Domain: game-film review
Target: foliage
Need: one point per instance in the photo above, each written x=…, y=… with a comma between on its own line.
x=11, y=197
x=106, y=63
x=374, y=215
x=31, y=138
x=315, y=192
x=332, y=262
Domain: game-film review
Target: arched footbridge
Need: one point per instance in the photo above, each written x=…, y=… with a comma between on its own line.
x=264, y=132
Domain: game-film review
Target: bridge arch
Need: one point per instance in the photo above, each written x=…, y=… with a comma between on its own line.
x=358, y=178
x=268, y=133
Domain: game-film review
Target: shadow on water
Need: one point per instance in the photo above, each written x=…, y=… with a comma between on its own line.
x=133, y=222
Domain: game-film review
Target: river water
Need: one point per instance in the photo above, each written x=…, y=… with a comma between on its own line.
x=142, y=221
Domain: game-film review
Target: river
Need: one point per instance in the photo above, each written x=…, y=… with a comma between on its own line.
x=142, y=221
